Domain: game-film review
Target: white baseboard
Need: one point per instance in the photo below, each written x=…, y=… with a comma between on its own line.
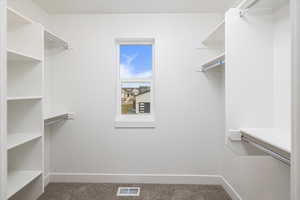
x=145, y=178
x=230, y=190
x=46, y=180
x=135, y=178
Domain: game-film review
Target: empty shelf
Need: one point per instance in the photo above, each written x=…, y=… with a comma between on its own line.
x=215, y=62
x=55, y=117
x=17, y=180
x=15, y=19
x=217, y=36
x=272, y=141
x=18, y=56
x=14, y=140
x=53, y=41
x=24, y=98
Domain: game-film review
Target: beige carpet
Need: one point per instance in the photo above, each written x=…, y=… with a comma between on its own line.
x=73, y=191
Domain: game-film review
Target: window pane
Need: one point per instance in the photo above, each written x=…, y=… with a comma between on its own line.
x=136, y=98
x=135, y=61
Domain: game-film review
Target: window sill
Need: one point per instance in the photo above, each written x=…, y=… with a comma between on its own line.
x=138, y=122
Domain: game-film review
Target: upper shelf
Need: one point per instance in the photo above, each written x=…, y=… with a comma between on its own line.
x=53, y=41
x=215, y=62
x=15, y=19
x=217, y=36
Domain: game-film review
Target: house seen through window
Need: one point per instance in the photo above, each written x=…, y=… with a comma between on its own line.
x=136, y=63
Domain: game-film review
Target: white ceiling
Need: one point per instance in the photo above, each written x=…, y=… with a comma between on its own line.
x=134, y=6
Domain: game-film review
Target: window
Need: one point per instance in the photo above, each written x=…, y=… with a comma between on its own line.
x=135, y=80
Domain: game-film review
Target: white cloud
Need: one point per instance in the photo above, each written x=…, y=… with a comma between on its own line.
x=127, y=70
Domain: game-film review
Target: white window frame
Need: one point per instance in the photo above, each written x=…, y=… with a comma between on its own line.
x=140, y=120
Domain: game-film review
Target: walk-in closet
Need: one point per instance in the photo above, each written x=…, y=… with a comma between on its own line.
x=149, y=100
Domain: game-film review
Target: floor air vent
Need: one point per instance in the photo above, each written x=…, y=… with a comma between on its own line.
x=128, y=191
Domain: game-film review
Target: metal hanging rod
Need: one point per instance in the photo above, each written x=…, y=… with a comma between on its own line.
x=247, y=7
x=246, y=4
x=267, y=151
x=252, y=4
x=58, y=118
x=204, y=69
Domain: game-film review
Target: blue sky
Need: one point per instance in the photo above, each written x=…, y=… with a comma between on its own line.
x=135, y=61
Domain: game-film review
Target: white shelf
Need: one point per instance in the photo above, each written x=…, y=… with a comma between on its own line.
x=18, y=56
x=273, y=137
x=17, y=180
x=15, y=19
x=14, y=140
x=54, y=41
x=216, y=37
x=215, y=62
x=24, y=98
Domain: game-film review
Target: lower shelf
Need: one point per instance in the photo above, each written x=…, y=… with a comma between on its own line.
x=14, y=140
x=17, y=180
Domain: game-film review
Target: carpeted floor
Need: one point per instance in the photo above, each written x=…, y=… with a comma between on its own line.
x=77, y=191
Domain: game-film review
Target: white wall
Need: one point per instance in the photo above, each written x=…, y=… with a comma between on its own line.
x=282, y=70
x=189, y=132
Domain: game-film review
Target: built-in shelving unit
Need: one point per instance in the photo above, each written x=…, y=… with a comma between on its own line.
x=17, y=180
x=54, y=41
x=215, y=62
x=267, y=39
x=25, y=129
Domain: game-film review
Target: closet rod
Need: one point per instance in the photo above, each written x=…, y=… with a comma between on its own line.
x=245, y=7
x=204, y=69
x=269, y=152
x=247, y=4
x=252, y=4
x=55, y=119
